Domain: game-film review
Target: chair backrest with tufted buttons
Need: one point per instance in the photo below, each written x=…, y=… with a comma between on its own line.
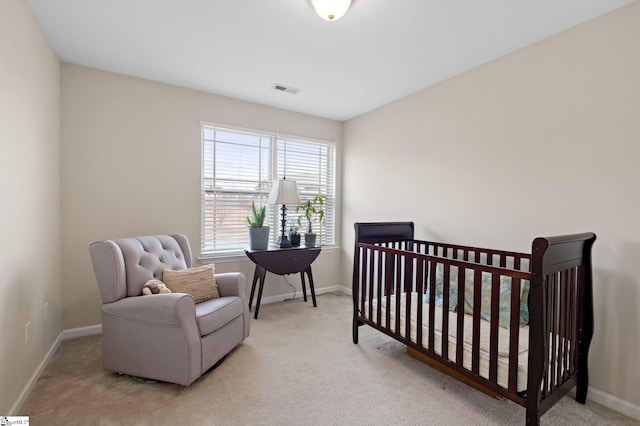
x=123, y=266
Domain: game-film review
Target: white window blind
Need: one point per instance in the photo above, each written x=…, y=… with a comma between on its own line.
x=239, y=166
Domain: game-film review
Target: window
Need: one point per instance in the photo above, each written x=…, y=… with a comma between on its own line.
x=238, y=168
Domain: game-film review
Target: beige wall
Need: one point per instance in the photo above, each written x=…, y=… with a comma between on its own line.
x=29, y=198
x=540, y=142
x=131, y=166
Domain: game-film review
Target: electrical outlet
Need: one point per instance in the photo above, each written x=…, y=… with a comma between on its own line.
x=46, y=310
x=27, y=332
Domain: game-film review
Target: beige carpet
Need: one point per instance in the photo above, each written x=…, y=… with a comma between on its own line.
x=298, y=367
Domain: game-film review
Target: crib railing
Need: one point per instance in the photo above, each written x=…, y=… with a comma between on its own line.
x=404, y=267
x=482, y=256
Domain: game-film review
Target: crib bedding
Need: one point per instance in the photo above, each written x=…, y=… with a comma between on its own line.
x=503, y=337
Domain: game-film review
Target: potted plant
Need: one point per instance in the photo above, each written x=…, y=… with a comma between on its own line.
x=258, y=233
x=311, y=211
x=294, y=237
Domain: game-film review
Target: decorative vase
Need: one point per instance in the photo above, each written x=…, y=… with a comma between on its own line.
x=259, y=238
x=295, y=240
x=310, y=240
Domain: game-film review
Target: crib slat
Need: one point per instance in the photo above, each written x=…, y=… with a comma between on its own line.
x=573, y=350
x=493, y=334
x=421, y=292
x=388, y=282
x=554, y=330
x=574, y=321
x=562, y=301
x=379, y=268
x=445, y=312
x=570, y=316
x=363, y=279
x=460, y=316
x=567, y=333
x=369, y=283
x=514, y=334
x=477, y=300
x=549, y=335
x=408, y=287
x=432, y=304
x=398, y=290
x=562, y=326
x=569, y=325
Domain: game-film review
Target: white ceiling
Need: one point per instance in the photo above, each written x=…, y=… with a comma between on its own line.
x=381, y=50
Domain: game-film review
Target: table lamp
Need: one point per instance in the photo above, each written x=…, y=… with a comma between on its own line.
x=284, y=192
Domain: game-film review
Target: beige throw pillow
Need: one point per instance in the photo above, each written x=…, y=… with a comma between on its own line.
x=199, y=282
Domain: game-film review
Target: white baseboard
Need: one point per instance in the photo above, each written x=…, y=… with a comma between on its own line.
x=64, y=335
x=613, y=402
x=13, y=411
x=81, y=331
x=298, y=295
x=345, y=290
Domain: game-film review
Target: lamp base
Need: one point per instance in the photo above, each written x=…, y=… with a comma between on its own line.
x=283, y=242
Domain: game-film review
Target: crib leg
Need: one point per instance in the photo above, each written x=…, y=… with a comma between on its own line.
x=533, y=416
x=582, y=386
x=356, y=324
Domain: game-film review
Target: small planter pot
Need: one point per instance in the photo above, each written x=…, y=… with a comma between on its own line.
x=310, y=240
x=259, y=238
x=295, y=240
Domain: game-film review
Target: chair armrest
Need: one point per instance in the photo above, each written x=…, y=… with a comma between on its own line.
x=235, y=284
x=232, y=284
x=153, y=336
x=173, y=309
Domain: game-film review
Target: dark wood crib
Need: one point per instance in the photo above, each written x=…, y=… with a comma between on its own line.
x=476, y=300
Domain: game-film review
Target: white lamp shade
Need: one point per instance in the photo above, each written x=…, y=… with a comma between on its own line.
x=331, y=10
x=284, y=191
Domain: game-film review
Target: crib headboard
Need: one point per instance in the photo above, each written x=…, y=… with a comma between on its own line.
x=378, y=232
x=382, y=232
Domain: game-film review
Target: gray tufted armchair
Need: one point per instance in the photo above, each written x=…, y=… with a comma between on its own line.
x=165, y=337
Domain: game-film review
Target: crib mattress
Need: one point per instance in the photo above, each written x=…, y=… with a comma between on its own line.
x=503, y=337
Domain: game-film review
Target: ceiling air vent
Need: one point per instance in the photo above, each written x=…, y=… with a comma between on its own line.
x=286, y=89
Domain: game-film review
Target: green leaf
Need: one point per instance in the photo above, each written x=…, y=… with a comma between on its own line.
x=258, y=217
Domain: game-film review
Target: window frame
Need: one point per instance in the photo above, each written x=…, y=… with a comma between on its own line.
x=274, y=170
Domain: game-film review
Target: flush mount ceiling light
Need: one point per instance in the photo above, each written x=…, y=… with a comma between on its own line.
x=331, y=10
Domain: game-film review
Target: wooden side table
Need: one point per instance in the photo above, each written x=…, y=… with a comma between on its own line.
x=282, y=261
